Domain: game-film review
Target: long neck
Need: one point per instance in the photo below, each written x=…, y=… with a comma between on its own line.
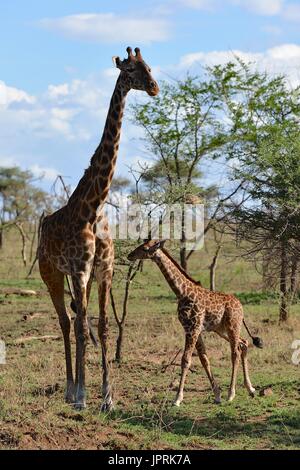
x=91, y=192
x=179, y=281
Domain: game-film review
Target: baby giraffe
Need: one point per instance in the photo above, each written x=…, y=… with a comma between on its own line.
x=199, y=310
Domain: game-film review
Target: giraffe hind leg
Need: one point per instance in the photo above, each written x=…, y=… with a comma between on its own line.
x=243, y=346
x=104, y=284
x=54, y=280
x=247, y=381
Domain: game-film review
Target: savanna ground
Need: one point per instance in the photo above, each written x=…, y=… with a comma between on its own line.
x=33, y=414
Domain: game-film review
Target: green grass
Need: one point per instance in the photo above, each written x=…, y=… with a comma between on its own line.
x=33, y=414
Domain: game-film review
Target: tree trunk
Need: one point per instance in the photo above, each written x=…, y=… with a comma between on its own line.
x=212, y=269
x=24, y=244
x=183, y=261
x=42, y=216
x=283, y=311
x=118, y=356
x=294, y=277
x=32, y=241
x=183, y=258
x=121, y=322
x=1, y=238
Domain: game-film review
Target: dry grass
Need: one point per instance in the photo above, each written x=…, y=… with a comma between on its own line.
x=34, y=416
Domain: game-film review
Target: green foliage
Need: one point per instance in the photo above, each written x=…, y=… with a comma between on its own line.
x=181, y=129
x=262, y=115
x=20, y=200
x=256, y=298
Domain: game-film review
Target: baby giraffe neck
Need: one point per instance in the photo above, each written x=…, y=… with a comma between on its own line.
x=179, y=282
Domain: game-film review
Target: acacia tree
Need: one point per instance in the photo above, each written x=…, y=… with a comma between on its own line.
x=181, y=129
x=21, y=203
x=263, y=150
x=271, y=223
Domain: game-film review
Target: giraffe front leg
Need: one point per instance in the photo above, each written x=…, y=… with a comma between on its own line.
x=81, y=334
x=190, y=342
x=206, y=365
x=54, y=280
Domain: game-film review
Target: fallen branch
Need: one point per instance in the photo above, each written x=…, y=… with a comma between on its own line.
x=26, y=339
x=165, y=367
x=12, y=291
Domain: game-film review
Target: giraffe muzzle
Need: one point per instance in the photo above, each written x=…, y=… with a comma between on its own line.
x=153, y=89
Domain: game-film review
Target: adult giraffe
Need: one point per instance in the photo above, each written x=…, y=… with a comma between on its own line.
x=69, y=244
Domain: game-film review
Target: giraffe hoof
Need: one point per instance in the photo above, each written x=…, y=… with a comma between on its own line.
x=217, y=401
x=107, y=406
x=79, y=406
x=70, y=393
x=177, y=403
x=69, y=399
x=252, y=392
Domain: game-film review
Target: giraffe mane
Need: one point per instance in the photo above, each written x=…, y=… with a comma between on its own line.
x=186, y=275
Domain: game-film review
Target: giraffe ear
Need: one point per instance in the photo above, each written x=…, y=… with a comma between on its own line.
x=116, y=61
x=159, y=244
x=162, y=242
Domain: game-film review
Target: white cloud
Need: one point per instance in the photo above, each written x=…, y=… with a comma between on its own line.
x=110, y=28
x=6, y=161
x=60, y=120
x=88, y=93
x=283, y=59
x=261, y=7
x=9, y=95
x=48, y=174
x=56, y=91
x=215, y=57
x=57, y=131
x=61, y=127
x=284, y=53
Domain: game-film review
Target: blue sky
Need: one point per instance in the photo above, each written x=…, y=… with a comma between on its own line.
x=56, y=73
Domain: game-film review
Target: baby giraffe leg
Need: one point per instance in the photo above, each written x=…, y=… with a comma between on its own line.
x=247, y=381
x=190, y=342
x=235, y=359
x=243, y=346
x=206, y=365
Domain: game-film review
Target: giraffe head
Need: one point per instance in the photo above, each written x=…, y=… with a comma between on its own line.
x=146, y=250
x=136, y=72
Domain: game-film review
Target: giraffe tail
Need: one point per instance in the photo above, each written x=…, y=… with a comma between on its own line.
x=258, y=342
x=91, y=329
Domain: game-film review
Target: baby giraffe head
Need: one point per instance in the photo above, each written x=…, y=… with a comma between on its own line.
x=136, y=72
x=147, y=250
